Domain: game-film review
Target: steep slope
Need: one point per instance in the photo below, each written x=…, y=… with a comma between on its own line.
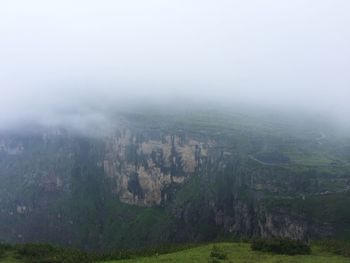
x=174, y=178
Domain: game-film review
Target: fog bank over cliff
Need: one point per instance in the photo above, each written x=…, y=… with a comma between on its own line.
x=79, y=62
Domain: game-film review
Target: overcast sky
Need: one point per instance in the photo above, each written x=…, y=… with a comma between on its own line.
x=58, y=56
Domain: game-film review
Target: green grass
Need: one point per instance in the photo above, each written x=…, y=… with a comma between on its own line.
x=9, y=257
x=237, y=252
x=234, y=252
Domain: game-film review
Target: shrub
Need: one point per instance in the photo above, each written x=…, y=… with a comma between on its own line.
x=35, y=250
x=335, y=246
x=281, y=246
x=43, y=253
x=217, y=254
x=3, y=248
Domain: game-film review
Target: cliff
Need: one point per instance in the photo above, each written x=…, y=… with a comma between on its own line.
x=168, y=181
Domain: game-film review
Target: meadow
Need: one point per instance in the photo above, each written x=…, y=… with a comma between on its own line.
x=238, y=253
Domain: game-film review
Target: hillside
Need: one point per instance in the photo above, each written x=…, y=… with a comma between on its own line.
x=173, y=177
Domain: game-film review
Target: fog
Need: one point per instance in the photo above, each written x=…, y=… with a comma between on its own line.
x=64, y=60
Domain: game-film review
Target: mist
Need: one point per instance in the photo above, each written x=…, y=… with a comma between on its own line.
x=78, y=61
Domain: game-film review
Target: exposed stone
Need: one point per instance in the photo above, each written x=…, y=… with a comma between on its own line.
x=143, y=168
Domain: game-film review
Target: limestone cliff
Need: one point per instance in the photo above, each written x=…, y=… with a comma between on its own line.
x=144, y=166
x=157, y=180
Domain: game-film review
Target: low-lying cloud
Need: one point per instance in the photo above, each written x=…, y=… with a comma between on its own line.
x=63, y=59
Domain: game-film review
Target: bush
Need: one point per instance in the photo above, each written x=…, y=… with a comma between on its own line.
x=217, y=254
x=281, y=246
x=43, y=253
x=36, y=250
x=335, y=246
x=3, y=248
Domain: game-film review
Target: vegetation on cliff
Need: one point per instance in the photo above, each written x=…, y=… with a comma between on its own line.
x=248, y=177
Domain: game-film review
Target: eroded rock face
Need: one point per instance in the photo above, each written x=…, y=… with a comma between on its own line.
x=144, y=165
x=53, y=177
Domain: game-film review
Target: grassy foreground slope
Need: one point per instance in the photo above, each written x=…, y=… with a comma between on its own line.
x=237, y=252
x=10, y=257
x=233, y=252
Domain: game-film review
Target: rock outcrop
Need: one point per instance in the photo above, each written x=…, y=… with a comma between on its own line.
x=144, y=166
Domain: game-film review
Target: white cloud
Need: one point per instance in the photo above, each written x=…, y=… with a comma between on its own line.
x=63, y=54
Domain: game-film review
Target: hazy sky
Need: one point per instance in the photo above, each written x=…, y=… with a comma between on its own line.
x=58, y=56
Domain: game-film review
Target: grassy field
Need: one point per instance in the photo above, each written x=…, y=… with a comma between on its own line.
x=234, y=252
x=237, y=252
x=9, y=257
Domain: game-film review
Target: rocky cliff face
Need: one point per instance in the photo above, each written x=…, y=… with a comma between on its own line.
x=145, y=166
x=181, y=183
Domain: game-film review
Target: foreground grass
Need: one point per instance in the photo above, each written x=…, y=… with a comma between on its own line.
x=238, y=252
x=235, y=252
x=9, y=257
